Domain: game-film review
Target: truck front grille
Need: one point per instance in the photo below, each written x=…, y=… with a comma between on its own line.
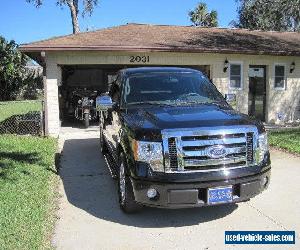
x=191, y=150
x=173, y=153
x=250, y=147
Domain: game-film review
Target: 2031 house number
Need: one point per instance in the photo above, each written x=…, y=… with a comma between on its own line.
x=139, y=59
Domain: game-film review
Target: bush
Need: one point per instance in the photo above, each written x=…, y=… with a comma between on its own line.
x=14, y=76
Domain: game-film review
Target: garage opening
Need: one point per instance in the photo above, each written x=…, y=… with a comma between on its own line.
x=81, y=84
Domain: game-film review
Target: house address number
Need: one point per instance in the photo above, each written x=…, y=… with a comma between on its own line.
x=139, y=59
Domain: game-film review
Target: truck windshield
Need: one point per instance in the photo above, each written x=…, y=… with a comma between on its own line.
x=170, y=88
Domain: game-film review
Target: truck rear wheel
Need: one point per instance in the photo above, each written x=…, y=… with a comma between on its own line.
x=126, y=195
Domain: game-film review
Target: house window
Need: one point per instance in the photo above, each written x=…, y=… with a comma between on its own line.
x=235, y=75
x=279, y=77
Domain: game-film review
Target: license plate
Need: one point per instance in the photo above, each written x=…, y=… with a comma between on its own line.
x=219, y=195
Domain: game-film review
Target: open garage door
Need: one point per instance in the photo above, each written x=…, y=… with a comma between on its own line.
x=81, y=84
x=79, y=81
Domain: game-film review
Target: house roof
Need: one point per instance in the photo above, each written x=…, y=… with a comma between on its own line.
x=144, y=37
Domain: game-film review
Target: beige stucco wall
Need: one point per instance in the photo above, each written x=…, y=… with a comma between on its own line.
x=278, y=101
x=53, y=77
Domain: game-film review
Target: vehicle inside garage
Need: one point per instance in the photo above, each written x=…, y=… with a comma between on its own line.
x=80, y=86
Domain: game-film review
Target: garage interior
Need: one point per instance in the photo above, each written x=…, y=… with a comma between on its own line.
x=80, y=81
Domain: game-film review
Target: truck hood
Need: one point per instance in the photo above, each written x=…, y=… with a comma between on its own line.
x=142, y=120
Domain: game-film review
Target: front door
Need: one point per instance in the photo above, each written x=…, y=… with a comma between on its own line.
x=257, y=91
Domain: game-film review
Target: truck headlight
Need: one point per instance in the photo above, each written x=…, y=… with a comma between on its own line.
x=150, y=152
x=263, y=147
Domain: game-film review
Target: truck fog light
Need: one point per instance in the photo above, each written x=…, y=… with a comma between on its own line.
x=151, y=193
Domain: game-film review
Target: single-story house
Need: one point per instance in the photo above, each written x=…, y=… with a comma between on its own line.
x=261, y=69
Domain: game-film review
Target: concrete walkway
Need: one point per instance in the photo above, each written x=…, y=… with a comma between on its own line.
x=90, y=218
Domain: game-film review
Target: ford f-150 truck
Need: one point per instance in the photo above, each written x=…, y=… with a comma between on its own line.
x=172, y=141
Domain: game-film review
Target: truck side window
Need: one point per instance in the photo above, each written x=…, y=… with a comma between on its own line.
x=115, y=90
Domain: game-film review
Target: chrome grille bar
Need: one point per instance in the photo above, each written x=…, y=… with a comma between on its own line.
x=236, y=150
x=213, y=142
x=211, y=162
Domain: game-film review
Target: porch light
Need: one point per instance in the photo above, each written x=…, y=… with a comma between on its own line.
x=226, y=65
x=292, y=67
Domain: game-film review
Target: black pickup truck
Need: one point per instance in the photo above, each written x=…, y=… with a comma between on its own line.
x=172, y=141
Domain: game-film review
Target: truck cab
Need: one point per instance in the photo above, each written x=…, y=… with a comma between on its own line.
x=173, y=141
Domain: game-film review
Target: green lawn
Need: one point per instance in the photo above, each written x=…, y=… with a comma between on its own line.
x=8, y=109
x=288, y=140
x=27, y=191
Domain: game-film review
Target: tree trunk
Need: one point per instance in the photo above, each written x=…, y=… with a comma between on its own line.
x=73, y=5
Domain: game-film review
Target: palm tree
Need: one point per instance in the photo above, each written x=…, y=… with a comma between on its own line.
x=201, y=17
x=87, y=5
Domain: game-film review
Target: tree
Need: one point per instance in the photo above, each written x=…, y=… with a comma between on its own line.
x=87, y=5
x=201, y=17
x=277, y=15
x=12, y=69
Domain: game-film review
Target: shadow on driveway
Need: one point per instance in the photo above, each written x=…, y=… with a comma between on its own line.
x=89, y=186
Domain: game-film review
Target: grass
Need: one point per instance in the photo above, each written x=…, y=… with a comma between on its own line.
x=8, y=109
x=288, y=140
x=27, y=191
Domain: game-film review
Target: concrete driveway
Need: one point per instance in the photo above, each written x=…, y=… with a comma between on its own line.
x=90, y=218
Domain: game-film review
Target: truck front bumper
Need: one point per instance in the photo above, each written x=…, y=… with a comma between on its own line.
x=183, y=195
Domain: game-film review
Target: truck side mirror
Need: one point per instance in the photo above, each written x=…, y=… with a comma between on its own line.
x=230, y=98
x=104, y=103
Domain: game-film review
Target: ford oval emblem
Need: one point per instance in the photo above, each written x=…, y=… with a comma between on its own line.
x=216, y=151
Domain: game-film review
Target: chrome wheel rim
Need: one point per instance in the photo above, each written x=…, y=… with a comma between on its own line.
x=122, y=182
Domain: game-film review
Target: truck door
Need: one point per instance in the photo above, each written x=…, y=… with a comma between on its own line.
x=113, y=126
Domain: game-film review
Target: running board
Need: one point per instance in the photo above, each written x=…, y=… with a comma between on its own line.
x=112, y=167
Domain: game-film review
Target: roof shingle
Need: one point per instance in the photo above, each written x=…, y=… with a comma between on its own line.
x=143, y=37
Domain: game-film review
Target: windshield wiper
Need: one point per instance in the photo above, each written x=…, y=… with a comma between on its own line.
x=176, y=102
x=149, y=103
x=218, y=103
x=186, y=102
x=199, y=102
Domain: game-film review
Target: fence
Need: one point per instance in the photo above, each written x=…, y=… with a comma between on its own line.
x=22, y=117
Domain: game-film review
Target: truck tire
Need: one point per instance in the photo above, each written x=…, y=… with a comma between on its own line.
x=103, y=147
x=86, y=120
x=126, y=195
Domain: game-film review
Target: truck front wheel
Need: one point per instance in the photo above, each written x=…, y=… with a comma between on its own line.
x=103, y=147
x=126, y=195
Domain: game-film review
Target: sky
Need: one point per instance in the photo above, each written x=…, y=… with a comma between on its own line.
x=24, y=23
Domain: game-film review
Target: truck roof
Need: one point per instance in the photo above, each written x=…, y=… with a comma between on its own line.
x=139, y=70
